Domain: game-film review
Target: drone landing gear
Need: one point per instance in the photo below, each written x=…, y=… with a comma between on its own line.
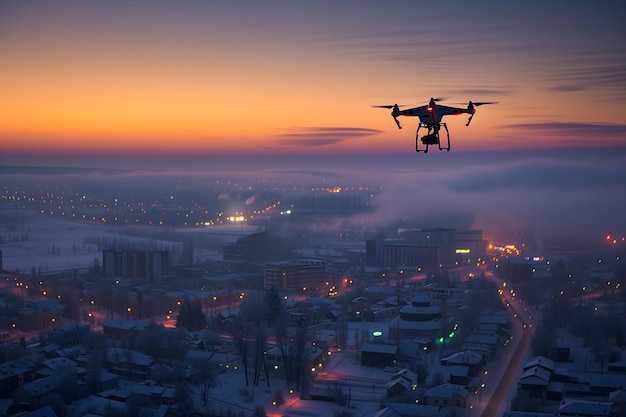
x=447, y=148
x=432, y=138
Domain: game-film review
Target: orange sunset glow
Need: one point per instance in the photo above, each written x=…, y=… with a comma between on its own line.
x=124, y=77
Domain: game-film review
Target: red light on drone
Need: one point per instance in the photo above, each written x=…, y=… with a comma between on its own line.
x=430, y=109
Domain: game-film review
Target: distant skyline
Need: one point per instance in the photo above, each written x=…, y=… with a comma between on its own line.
x=279, y=77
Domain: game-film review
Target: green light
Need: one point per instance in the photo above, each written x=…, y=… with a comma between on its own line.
x=441, y=339
x=377, y=333
x=451, y=334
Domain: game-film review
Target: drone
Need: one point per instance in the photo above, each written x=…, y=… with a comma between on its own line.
x=430, y=116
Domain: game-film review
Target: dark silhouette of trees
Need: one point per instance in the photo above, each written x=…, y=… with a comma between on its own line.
x=278, y=397
x=258, y=411
x=273, y=306
x=254, y=313
x=56, y=403
x=182, y=398
x=191, y=316
x=207, y=377
x=544, y=342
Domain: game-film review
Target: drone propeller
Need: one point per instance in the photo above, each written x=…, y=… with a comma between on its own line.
x=480, y=103
x=476, y=103
x=390, y=106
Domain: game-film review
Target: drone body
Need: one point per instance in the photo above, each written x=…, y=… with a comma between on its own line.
x=431, y=116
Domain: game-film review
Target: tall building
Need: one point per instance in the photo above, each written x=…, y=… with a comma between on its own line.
x=396, y=253
x=302, y=276
x=152, y=265
x=427, y=248
x=443, y=239
x=470, y=244
x=256, y=247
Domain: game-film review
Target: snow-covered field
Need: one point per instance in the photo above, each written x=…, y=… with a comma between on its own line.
x=50, y=245
x=55, y=245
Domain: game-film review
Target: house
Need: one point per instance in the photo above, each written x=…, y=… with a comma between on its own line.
x=394, y=409
x=542, y=362
x=407, y=375
x=359, y=308
x=572, y=407
x=13, y=374
x=534, y=380
x=471, y=359
x=107, y=380
x=373, y=354
x=56, y=365
x=156, y=393
x=128, y=363
x=32, y=393
x=485, y=351
x=397, y=386
x=68, y=335
x=446, y=395
x=501, y=321
x=120, y=329
x=400, y=382
x=459, y=375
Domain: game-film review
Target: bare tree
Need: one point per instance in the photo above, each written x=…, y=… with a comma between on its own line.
x=207, y=380
x=259, y=356
x=239, y=330
x=282, y=340
x=299, y=359
x=341, y=327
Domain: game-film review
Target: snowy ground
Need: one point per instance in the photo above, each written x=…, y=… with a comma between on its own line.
x=57, y=245
x=51, y=245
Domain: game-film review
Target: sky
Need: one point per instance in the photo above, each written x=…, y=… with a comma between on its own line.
x=287, y=77
x=287, y=89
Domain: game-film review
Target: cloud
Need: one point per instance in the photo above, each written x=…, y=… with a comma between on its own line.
x=545, y=174
x=322, y=136
x=606, y=129
x=479, y=94
x=598, y=71
x=565, y=88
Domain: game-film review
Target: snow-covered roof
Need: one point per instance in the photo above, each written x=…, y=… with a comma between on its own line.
x=465, y=357
x=447, y=391
x=535, y=376
x=540, y=361
x=585, y=408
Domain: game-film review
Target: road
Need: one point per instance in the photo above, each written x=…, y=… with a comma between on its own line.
x=523, y=331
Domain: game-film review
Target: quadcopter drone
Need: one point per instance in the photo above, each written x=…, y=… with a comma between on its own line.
x=430, y=116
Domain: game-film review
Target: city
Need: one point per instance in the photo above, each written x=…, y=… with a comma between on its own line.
x=312, y=209
x=269, y=312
